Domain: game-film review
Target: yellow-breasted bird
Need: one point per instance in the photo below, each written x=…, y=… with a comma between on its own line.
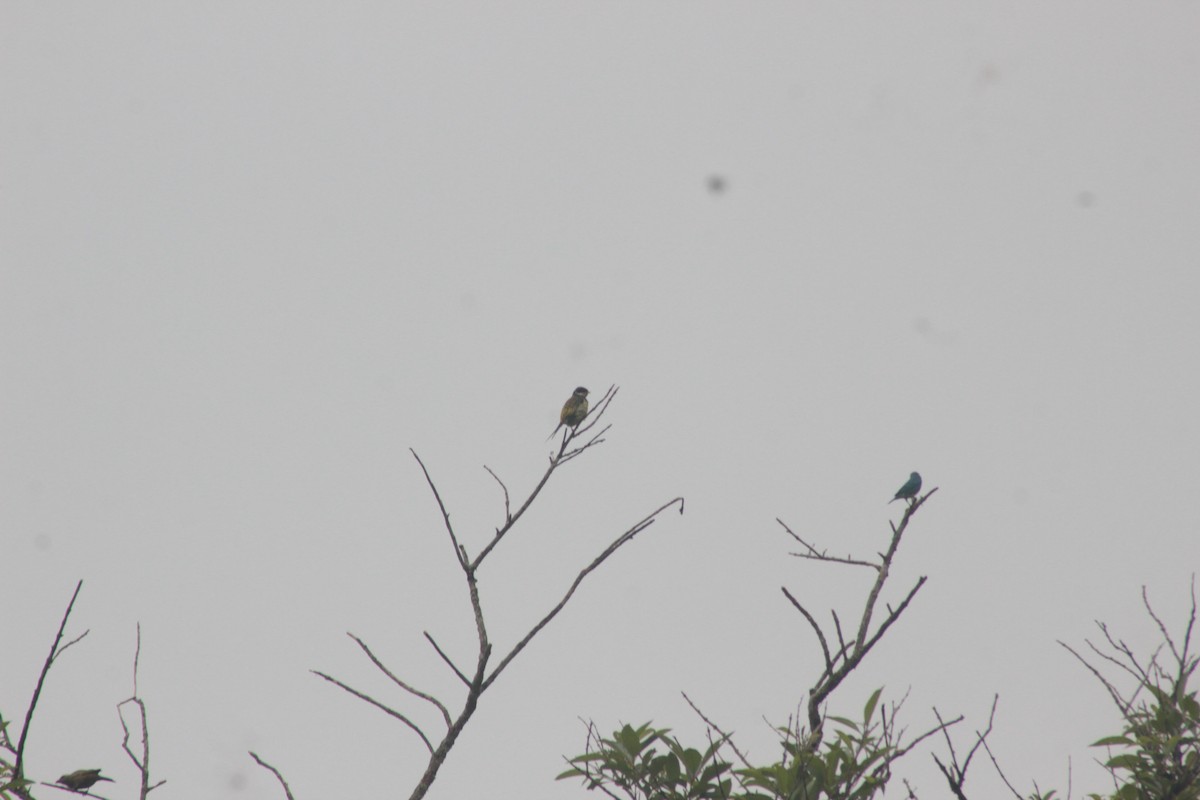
x=573, y=411
x=82, y=779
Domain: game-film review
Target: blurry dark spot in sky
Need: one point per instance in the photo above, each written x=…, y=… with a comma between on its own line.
x=1085, y=199
x=42, y=541
x=578, y=351
x=237, y=781
x=716, y=184
x=924, y=327
x=987, y=76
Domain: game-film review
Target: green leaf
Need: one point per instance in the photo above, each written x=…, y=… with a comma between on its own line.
x=869, y=708
x=1127, y=761
x=1112, y=741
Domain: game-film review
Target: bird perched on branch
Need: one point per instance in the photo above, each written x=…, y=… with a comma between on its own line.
x=82, y=779
x=909, y=490
x=573, y=411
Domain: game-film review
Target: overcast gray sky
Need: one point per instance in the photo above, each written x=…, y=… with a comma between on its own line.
x=252, y=252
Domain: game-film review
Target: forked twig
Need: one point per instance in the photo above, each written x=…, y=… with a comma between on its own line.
x=143, y=764
x=417, y=692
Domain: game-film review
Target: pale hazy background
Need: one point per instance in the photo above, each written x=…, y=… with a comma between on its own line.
x=252, y=252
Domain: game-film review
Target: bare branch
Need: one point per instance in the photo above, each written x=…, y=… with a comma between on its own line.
x=143, y=764
x=591, y=432
x=892, y=617
x=831, y=680
x=821, y=555
x=835, y=559
x=980, y=737
x=843, y=647
x=595, y=440
x=951, y=779
x=1162, y=629
x=507, y=512
x=446, y=658
x=1000, y=772
x=884, y=566
x=367, y=698
x=55, y=652
x=726, y=738
x=940, y=727
x=286, y=789
x=956, y=774
x=624, y=538
x=1121, y=665
x=459, y=551
x=816, y=628
x=69, y=644
x=555, y=461
x=1117, y=699
x=382, y=668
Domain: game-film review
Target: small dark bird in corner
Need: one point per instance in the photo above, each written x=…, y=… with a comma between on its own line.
x=909, y=490
x=573, y=411
x=82, y=779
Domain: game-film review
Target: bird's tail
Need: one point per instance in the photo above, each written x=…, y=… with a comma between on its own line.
x=551, y=436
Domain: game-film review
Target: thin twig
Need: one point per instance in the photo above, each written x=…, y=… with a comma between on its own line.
x=367, y=698
x=1161, y=627
x=843, y=646
x=279, y=777
x=446, y=658
x=727, y=738
x=1000, y=772
x=555, y=461
x=507, y=513
x=941, y=726
x=816, y=628
x=143, y=764
x=382, y=668
x=55, y=652
x=821, y=555
x=459, y=551
x=1117, y=699
x=884, y=566
x=624, y=538
x=956, y=774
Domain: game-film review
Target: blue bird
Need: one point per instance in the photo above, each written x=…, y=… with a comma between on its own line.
x=909, y=490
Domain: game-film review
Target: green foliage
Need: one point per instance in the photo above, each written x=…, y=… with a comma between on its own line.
x=630, y=762
x=852, y=763
x=10, y=787
x=1160, y=758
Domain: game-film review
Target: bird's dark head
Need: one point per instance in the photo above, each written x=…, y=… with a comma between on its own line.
x=580, y=391
x=914, y=476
